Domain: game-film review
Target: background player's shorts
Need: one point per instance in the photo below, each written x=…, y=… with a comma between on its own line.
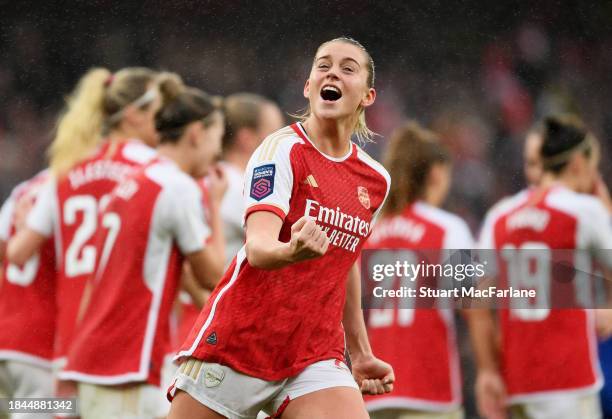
x=121, y=402
x=20, y=379
x=559, y=407
x=415, y=414
x=239, y=396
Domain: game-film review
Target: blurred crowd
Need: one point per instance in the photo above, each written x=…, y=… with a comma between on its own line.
x=480, y=93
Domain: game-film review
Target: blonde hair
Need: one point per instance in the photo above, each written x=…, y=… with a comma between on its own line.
x=98, y=97
x=361, y=130
x=411, y=153
x=78, y=129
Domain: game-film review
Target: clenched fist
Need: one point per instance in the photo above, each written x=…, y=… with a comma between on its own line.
x=308, y=240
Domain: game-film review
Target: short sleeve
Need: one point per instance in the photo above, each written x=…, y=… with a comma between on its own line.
x=486, y=243
x=459, y=236
x=600, y=233
x=269, y=178
x=486, y=236
x=43, y=216
x=186, y=216
x=6, y=215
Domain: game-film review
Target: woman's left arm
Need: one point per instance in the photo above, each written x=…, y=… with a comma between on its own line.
x=373, y=375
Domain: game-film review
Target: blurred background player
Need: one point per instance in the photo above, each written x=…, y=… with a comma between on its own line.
x=547, y=365
x=104, y=134
x=27, y=307
x=249, y=118
x=532, y=161
x=272, y=334
x=419, y=342
x=156, y=219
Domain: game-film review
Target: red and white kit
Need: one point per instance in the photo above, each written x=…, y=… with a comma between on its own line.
x=546, y=352
x=420, y=343
x=152, y=219
x=68, y=209
x=27, y=304
x=189, y=312
x=272, y=324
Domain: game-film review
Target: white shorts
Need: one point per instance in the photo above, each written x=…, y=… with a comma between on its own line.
x=140, y=401
x=239, y=396
x=559, y=407
x=20, y=379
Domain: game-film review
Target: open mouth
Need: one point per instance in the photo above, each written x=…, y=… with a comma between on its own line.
x=331, y=93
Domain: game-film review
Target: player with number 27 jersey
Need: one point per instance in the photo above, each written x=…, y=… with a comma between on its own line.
x=68, y=209
x=160, y=217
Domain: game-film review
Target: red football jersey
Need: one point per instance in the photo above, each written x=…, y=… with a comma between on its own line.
x=27, y=303
x=155, y=217
x=420, y=343
x=68, y=209
x=546, y=351
x=272, y=324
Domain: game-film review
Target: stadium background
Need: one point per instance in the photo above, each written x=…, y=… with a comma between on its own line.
x=478, y=73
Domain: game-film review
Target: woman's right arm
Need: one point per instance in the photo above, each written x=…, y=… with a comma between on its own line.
x=27, y=240
x=265, y=251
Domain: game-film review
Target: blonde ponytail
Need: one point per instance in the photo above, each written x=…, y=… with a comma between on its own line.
x=361, y=131
x=79, y=128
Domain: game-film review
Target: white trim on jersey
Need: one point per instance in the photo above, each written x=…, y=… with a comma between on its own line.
x=274, y=150
x=240, y=259
x=102, y=379
x=365, y=157
x=486, y=235
x=594, y=231
x=232, y=211
x=43, y=215
x=410, y=403
x=138, y=152
x=6, y=216
x=328, y=157
x=457, y=234
x=8, y=355
x=547, y=395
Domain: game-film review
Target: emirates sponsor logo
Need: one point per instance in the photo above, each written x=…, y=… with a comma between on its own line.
x=342, y=229
x=364, y=196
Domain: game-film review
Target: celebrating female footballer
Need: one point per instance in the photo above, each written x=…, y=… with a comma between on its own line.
x=273, y=333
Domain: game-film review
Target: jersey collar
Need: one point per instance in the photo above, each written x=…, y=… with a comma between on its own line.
x=301, y=132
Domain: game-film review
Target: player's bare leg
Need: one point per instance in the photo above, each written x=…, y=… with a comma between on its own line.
x=330, y=403
x=185, y=406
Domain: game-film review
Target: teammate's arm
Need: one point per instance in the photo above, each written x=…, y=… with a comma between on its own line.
x=5, y=227
x=191, y=286
x=490, y=389
x=33, y=224
x=217, y=187
x=206, y=266
x=265, y=251
x=372, y=375
x=23, y=246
